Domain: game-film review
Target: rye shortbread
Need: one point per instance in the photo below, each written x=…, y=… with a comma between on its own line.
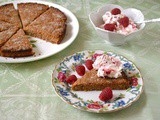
x=10, y=15
x=7, y=34
x=50, y=26
x=90, y=81
x=17, y=46
x=5, y=25
x=30, y=11
x=38, y=20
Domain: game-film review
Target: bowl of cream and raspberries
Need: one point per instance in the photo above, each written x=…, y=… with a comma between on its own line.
x=116, y=25
x=117, y=22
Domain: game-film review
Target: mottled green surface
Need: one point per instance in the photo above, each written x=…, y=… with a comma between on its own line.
x=26, y=91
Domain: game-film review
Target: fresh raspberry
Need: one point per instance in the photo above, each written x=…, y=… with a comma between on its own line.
x=134, y=81
x=80, y=70
x=108, y=72
x=71, y=79
x=95, y=55
x=124, y=21
x=116, y=11
x=106, y=94
x=61, y=77
x=88, y=64
x=110, y=27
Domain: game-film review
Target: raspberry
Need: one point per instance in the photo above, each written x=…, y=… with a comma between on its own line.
x=108, y=72
x=106, y=94
x=80, y=70
x=61, y=77
x=134, y=81
x=116, y=11
x=95, y=55
x=124, y=21
x=110, y=27
x=71, y=79
x=88, y=64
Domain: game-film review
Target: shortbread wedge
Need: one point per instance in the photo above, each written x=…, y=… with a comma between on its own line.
x=90, y=81
x=50, y=26
x=17, y=46
x=10, y=15
x=7, y=34
x=30, y=11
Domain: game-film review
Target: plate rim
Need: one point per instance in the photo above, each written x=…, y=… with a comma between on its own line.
x=49, y=55
x=90, y=110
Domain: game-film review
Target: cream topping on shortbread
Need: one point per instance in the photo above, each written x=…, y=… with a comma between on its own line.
x=108, y=66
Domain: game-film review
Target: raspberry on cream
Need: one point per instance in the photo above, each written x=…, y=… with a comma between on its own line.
x=121, y=22
x=108, y=66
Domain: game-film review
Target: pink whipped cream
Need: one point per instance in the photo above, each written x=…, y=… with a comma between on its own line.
x=109, y=18
x=108, y=66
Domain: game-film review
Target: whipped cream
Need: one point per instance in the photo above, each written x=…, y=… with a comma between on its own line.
x=108, y=18
x=108, y=66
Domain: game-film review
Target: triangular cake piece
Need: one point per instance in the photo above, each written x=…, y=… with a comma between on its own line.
x=50, y=26
x=52, y=14
x=17, y=46
x=10, y=15
x=90, y=81
x=7, y=34
x=30, y=11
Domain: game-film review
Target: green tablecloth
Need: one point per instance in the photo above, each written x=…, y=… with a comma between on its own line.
x=26, y=91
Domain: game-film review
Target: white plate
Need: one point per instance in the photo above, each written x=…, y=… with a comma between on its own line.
x=89, y=101
x=45, y=49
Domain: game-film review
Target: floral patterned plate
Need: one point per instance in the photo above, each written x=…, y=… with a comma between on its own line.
x=89, y=101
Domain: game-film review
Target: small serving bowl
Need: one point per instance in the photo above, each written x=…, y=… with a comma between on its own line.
x=113, y=37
